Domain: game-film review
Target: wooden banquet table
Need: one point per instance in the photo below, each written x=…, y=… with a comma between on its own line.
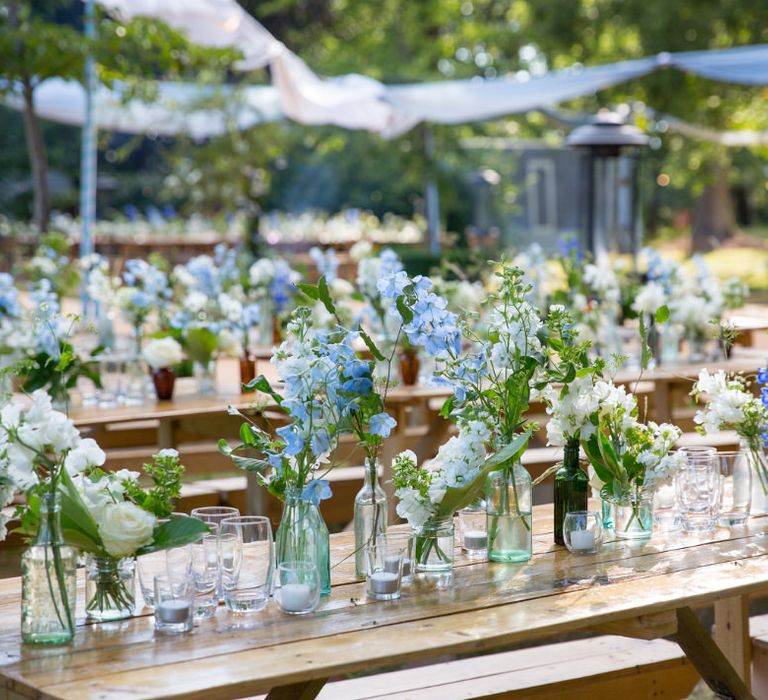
x=644, y=590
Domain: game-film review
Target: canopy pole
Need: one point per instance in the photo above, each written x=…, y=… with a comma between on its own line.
x=88, y=153
x=431, y=193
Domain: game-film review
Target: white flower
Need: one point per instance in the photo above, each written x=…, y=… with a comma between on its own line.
x=261, y=272
x=168, y=453
x=570, y=412
x=649, y=299
x=160, y=353
x=86, y=454
x=230, y=307
x=341, y=288
x=412, y=507
x=361, y=249
x=195, y=301
x=125, y=528
x=229, y=344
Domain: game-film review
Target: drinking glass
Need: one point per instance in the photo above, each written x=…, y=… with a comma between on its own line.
x=247, y=557
x=111, y=371
x=473, y=530
x=212, y=516
x=736, y=488
x=385, y=568
x=298, y=587
x=407, y=540
x=666, y=517
x=205, y=575
x=175, y=561
x=174, y=604
x=583, y=531
x=699, y=486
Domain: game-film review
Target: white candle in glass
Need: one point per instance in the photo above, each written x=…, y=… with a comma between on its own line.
x=475, y=539
x=295, y=597
x=383, y=582
x=173, y=611
x=583, y=539
x=392, y=564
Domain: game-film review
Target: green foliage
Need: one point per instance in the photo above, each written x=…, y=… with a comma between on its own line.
x=166, y=472
x=200, y=344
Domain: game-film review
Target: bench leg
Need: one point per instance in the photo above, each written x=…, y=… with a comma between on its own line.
x=706, y=656
x=307, y=690
x=732, y=634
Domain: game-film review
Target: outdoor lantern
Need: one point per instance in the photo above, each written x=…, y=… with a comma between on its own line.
x=610, y=215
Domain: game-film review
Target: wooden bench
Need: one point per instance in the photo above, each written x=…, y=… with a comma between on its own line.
x=585, y=669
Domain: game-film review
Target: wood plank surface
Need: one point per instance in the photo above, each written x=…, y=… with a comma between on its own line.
x=478, y=607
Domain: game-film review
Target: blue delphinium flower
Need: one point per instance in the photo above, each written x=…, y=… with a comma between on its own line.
x=316, y=490
x=571, y=246
x=382, y=424
x=9, y=297
x=294, y=443
x=327, y=263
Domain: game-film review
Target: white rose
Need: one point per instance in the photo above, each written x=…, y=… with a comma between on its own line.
x=162, y=352
x=86, y=454
x=125, y=528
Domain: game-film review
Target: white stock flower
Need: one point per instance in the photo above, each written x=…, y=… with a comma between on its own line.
x=412, y=508
x=160, y=353
x=195, y=301
x=361, y=249
x=125, y=528
x=86, y=454
x=229, y=344
x=261, y=272
x=650, y=297
x=168, y=453
x=230, y=307
x=571, y=413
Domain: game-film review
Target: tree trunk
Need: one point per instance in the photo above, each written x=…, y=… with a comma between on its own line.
x=713, y=219
x=37, y=159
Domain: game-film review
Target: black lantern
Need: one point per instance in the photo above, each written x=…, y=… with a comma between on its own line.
x=611, y=149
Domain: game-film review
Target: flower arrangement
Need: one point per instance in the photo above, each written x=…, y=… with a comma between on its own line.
x=145, y=288
x=730, y=406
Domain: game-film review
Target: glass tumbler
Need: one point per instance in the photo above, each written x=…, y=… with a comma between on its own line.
x=736, y=497
x=212, y=516
x=205, y=575
x=583, y=531
x=699, y=487
x=174, y=604
x=385, y=568
x=247, y=556
x=298, y=587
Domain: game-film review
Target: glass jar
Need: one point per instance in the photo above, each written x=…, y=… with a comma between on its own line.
x=409, y=366
x=370, y=519
x=48, y=583
x=754, y=453
x=571, y=488
x=303, y=536
x=633, y=516
x=508, y=509
x=205, y=375
x=110, y=588
x=433, y=545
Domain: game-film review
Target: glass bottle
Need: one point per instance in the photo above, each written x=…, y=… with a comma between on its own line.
x=48, y=584
x=755, y=455
x=508, y=510
x=303, y=536
x=370, y=514
x=571, y=488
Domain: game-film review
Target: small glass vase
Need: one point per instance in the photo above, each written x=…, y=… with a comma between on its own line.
x=571, y=488
x=754, y=453
x=205, y=375
x=508, y=508
x=409, y=366
x=110, y=588
x=303, y=536
x=696, y=348
x=633, y=516
x=164, y=379
x=370, y=519
x=433, y=546
x=48, y=583
x=247, y=369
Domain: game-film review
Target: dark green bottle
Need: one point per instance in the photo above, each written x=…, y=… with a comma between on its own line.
x=571, y=487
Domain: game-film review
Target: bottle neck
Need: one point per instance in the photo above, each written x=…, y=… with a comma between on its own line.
x=571, y=455
x=371, y=472
x=49, y=528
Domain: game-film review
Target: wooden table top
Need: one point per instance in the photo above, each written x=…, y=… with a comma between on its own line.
x=479, y=607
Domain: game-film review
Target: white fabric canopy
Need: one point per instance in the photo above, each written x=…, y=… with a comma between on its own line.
x=217, y=23
x=744, y=64
x=174, y=111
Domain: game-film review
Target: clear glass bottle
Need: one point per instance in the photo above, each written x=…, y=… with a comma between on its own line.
x=370, y=515
x=756, y=457
x=508, y=508
x=303, y=536
x=571, y=488
x=48, y=584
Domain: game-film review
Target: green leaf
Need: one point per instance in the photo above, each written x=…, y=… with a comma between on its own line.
x=77, y=523
x=200, y=344
x=406, y=313
x=310, y=290
x=662, y=314
x=324, y=295
x=224, y=448
x=371, y=345
x=646, y=354
x=447, y=408
x=250, y=464
x=176, y=532
x=458, y=498
x=261, y=383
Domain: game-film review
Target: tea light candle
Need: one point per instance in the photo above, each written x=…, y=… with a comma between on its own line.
x=583, y=540
x=406, y=567
x=173, y=611
x=475, y=539
x=392, y=564
x=295, y=597
x=384, y=582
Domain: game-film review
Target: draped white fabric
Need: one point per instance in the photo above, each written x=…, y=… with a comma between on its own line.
x=173, y=112
x=745, y=64
x=218, y=23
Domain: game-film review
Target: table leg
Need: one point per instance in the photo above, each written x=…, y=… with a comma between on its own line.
x=166, y=434
x=732, y=634
x=706, y=656
x=307, y=690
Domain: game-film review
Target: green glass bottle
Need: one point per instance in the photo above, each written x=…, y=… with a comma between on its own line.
x=571, y=487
